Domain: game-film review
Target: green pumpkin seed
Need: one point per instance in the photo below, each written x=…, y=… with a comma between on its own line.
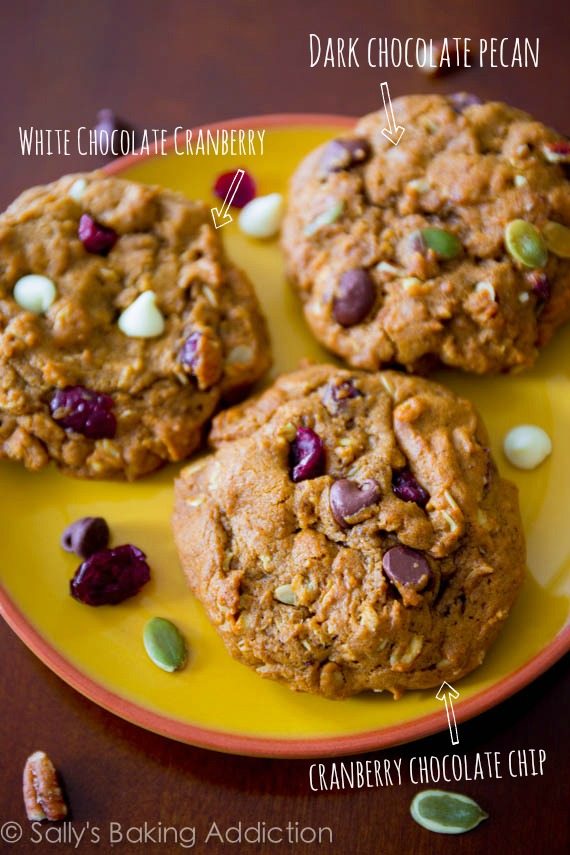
x=446, y=813
x=557, y=239
x=165, y=644
x=524, y=244
x=327, y=218
x=443, y=243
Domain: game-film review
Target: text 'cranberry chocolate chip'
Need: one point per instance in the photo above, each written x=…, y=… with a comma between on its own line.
x=408, y=489
x=97, y=239
x=405, y=566
x=356, y=295
x=83, y=411
x=343, y=154
x=347, y=498
x=306, y=455
x=110, y=576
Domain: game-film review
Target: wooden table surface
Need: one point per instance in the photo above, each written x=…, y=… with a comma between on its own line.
x=163, y=64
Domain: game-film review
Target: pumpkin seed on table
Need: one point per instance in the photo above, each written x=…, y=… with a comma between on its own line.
x=165, y=644
x=557, y=238
x=525, y=244
x=445, y=812
x=445, y=244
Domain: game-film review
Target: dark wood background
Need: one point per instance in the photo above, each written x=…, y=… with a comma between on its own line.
x=187, y=63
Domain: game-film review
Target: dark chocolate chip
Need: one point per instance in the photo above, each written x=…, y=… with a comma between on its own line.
x=345, y=153
x=336, y=395
x=86, y=536
x=347, y=498
x=107, y=122
x=356, y=296
x=405, y=566
x=461, y=100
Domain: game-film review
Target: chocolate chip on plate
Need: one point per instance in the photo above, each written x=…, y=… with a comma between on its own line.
x=405, y=566
x=345, y=153
x=86, y=536
x=347, y=498
x=356, y=295
x=306, y=455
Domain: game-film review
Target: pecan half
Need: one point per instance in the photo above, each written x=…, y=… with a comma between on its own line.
x=43, y=797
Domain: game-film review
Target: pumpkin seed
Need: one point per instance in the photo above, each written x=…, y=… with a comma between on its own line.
x=557, y=239
x=446, y=813
x=165, y=644
x=285, y=594
x=327, y=218
x=443, y=243
x=524, y=244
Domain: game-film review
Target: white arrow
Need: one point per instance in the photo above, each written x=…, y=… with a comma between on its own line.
x=221, y=216
x=393, y=132
x=446, y=693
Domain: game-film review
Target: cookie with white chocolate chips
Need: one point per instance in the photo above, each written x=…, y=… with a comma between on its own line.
x=452, y=247
x=122, y=326
x=351, y=532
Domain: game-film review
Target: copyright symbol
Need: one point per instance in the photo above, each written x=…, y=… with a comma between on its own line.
x=11, y=832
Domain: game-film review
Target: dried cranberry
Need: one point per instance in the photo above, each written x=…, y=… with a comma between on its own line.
x=306, y=455
x=83, y=411
x=97, y=239
x=110, y=576
x=408, y=489
x=245, y=192
x=540, y=286
x=189, y=351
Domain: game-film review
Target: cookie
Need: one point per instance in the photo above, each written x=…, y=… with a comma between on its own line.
x=122, y=327
x=351, y=532
x=452, y=247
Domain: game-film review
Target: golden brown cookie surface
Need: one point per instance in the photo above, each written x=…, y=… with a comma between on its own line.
x=351, y=533
x=81, y=387
x=400, y=253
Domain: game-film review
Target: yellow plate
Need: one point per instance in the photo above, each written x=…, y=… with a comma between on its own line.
x=216, y=702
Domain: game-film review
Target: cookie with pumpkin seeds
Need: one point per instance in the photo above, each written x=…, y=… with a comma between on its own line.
x=351, y=533
x=452, y=247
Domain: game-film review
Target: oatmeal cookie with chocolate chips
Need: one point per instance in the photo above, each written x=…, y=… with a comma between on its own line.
x=452, y=247
x=351, y=532
x=122, y=326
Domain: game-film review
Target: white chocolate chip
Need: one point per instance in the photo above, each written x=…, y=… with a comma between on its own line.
x=419, y=185
x=524, y=297
x=285, y=594
x=520, y=181
x=526, y=446
x=77, y=189
x=142, y=319
x=485, y=288
x=35, y=293
x=261, y=218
